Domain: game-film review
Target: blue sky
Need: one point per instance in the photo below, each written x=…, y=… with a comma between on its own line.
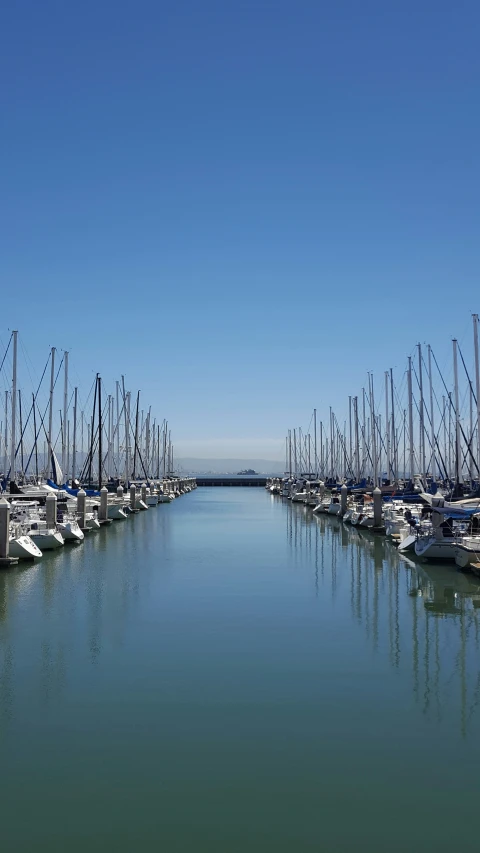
x=241, y=206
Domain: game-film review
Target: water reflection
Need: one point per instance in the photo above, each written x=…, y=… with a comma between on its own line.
x=424, y=616
x=68, y=607
x=77, y=610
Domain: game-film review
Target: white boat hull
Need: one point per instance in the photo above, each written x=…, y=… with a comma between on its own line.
x=435, y=549
x=48, y=540
x=24, y=548
x=116, y=512
x=407, y=544
x=71, y=531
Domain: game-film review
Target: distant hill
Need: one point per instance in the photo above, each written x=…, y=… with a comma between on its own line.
x=228, y=466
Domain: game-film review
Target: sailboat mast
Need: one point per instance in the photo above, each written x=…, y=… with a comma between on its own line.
x=374, y=438
x=387, y=429
x=74, y=446
x=35, y=437
x=477, y=380
x=14, y=408
x=394, y=436
x=350, y=461
x=410, y=418
x=126, y=406
x=50, y=412
x=99, y=383
x=357, y=449
x=458, y=461
x=65, y=406
x=315, y=441
x=5, y=440
x=423, y=472
x=21, y=430
x=136, y=437
x=432, y=423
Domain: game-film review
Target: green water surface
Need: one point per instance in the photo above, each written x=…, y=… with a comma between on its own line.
x=229, y=673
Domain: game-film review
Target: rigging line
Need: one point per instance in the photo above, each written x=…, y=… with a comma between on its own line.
x=29, y=415
x=457, y=417
x=466, y=371
x=136, y=448
x=6, y=351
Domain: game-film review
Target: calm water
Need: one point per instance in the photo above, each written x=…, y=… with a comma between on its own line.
x=229, y=673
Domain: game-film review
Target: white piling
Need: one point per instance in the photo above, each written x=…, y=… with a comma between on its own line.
x=377, y=508
x=120, y=493
x=133, y=496
x=144, y=493
x=343, y=499
x=4, y=530
x=51, y=510
x=103, y=513
x=82, y=509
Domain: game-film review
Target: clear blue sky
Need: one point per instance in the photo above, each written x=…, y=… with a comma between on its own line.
x=242, y=206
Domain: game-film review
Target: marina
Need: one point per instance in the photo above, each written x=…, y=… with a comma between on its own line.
x=240, y=428
x=118, y=462
x=403, y=462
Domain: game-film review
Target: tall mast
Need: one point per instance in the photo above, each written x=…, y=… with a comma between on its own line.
x=118, y=426
x=387, y=428
x=357, y=449
x=136, y=438
x=477, y=380
x=127, y=473
x=110, y=437
x=364, y=436
x=21, y=430
x=14, y=408
x=295, y=452
x=74, y=446
x=35, y=436
x=450, y=405
x=65, y=406
x=422, y=424
x=289, y=452
x=50, y=412
x=432, y=423
x=373, y=424
x=315, y=441
x=394, y=437
x=165, y=447
x=410, y=418
x=322, y=472
x=331, y=445
x=458, y=461
x=5, y=440
x=350, y=433
x=99, y=382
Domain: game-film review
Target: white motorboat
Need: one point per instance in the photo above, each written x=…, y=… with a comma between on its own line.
x=467, y=551
x=21, y=546
x=437, y=542
x=70, y=530
x=334, y=506
x=46, y=538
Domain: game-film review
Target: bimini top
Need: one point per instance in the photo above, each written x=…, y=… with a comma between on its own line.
x=457, y=513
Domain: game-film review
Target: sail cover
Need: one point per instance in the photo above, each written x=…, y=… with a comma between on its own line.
x=57, y=475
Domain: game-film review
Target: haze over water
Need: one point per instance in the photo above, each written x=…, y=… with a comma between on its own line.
x=229, y=673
